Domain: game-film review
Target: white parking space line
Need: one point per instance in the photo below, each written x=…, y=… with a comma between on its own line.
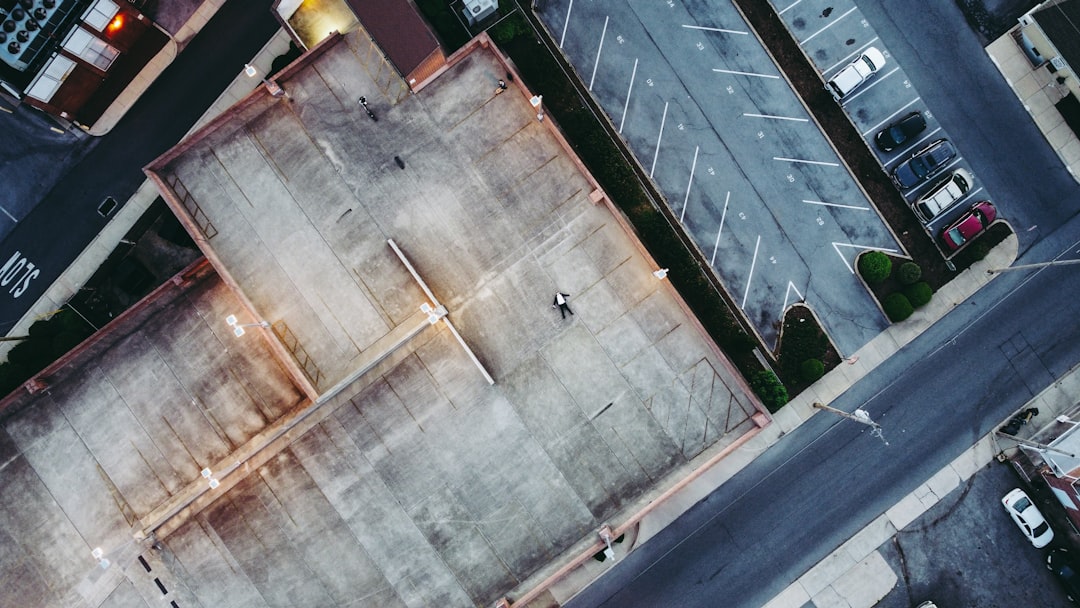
x=788, y=7
x=787, y=294
x=715, y=29
x=720, y=231
x=753, y=263
x=830, y=24
x=775, y=117
x=12, y=217
x=3, y=109
x=690, y=183
x=806, y=162
x=847, y=60
x=889, y=117
x=744, y=73
x=876, y=82
x=633, y=74
x=823, y=203
x=660, y=136
x=903, y=155
x=566, y=23
x=596, y=64
x=837, y=246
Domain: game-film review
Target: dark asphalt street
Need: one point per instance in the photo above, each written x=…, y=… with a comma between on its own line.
x=66, y=219
x=819, y=485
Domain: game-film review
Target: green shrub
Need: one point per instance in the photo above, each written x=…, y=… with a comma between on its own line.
x=769, y=389
x=874, y=266
x=811, y=369
x=510, y=28
x=31, y=354
x=909, y=273
x=919, y=294
x=897, y=307
x=802, y=340
x=11, y=376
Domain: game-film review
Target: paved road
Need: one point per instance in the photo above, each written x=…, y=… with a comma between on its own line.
x=823, y=482
x=34, y=154
x=44, y=243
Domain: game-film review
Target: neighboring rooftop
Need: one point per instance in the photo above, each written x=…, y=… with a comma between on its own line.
x=1060, y=21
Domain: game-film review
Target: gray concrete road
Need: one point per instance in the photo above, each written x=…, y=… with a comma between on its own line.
x=735, y=153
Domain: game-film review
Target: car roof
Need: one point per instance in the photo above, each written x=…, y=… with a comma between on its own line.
x=875, y=56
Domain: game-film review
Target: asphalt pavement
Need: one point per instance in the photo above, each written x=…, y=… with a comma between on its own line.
x=740, y=161
x=966, y=92
x=49, y=238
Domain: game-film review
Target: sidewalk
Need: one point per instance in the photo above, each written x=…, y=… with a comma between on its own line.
x=855, y=575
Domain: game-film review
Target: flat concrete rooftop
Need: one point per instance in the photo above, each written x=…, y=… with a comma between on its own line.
x=414, y=482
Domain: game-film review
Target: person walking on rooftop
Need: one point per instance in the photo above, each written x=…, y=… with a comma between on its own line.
x=560, y=302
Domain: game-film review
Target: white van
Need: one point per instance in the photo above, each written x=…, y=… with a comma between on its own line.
x=943, y=195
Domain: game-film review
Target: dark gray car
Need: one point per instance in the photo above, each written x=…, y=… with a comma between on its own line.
x=894, y=135
x=923, y=164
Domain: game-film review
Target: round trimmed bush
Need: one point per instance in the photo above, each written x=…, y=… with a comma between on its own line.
x=909, y=273
x=897, y=307
x=811, y=370
x=874, y=266
x=769, y=389
x=919, y=294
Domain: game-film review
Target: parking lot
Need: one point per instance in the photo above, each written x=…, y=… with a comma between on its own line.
x=740, y=161
x=965, y=551
x=834, y=34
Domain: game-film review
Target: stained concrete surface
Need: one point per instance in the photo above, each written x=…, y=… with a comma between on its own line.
x=419, y=484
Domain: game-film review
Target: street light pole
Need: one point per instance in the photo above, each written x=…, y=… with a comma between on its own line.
x=1035, y=444
x=861, y=416
x=1028, y=266
x=274, y=88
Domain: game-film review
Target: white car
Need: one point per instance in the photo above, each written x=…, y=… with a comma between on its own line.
x=1027, y=516
x=856, y=73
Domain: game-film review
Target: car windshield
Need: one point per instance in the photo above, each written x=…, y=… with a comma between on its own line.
x=1040, y=529
x=897, y=134
x=956, y=236
x=1022, y=505
x=919, y=167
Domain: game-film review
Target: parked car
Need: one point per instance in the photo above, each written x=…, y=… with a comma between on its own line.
x=970, y=225
x=901, y=131
x=943, y=195
x=856, y=73
x=1061, y=563
x=923, y=164
x=1028, y=518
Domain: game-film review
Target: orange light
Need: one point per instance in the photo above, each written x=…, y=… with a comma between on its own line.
x=116, y=23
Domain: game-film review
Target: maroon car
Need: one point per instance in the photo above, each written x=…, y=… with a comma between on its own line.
x=969, y=225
